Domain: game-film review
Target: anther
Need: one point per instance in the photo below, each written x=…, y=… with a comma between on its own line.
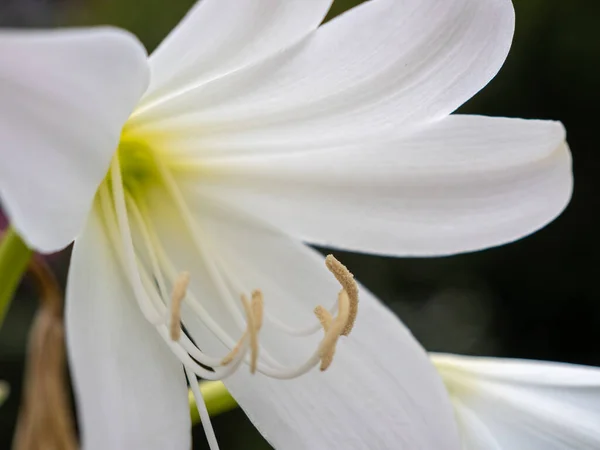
x=324, y=317
x=334, y=330
x=177, y=296
x=254, y=317
x=252, y=327
x=342, y=324
x=257, y=308
x=233, y=353
x=346, y=280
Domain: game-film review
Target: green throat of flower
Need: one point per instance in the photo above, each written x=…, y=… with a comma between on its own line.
x=138, y=164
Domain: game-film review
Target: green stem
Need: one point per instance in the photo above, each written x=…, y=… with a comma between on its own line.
x=218, y=400
x=14, y=258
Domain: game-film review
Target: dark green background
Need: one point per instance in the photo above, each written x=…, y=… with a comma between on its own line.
x=537, y=298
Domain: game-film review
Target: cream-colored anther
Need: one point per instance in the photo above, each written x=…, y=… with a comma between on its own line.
x=177, y=296
x=333, y=329
x=346, y=280
x=257, y=308
x=233, y=353
x=254, y=317
x=251, y=330
x=324, y=317
x=342, y=324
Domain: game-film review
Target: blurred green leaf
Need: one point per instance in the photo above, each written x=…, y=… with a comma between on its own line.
x=150, y=21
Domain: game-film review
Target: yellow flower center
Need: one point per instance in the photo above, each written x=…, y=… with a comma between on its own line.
x=137, y=163
x=137, y=159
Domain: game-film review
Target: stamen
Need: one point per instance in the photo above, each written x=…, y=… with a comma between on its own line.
x=254, y=315
x=253, y=332
x=126, y=251
x=334, y=330
x=202, y=411
x=226, y=284
x=257, y=308
x=233, y=353
x=177, y=296
x=169, y=267
x=342, y=324
x=346, y=279
x=324, y=317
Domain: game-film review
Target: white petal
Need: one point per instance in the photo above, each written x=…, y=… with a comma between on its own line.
x=524, y=405
x=219, y=36
x=377, y=68
x=460, y=184
x=65, y=97
x=380, y=392
x=130, y=389
x=474, y=433
x=540, y=373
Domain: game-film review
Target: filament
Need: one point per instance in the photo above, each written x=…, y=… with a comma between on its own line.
x=151, y=271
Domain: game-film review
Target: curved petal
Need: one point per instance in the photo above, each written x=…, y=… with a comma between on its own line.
x=524, y=405
x=380, y=391
x=525, y=372
x=130, y=389
x=219, y=36
x=376, y=69
x=475, y=434
x=65, y=97
x=461, y=184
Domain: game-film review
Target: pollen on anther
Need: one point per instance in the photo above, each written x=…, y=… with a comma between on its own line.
x=324, y=317
x=177, y=296
x=254, y=318
x=333, y=328
x=346, y=280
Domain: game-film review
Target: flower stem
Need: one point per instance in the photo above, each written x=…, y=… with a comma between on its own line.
x=218, y=400
x=14, y=258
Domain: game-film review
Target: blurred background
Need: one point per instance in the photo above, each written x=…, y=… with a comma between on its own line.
x=538, y=298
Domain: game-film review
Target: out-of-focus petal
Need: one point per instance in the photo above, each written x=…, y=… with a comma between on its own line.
x=130, y=388
x=509, y=404
x=65, y=97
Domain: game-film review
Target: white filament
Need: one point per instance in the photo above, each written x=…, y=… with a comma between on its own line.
x=129, y=259
x=274, y=372
x=151, y=277
x=204, y=416
x=278, y=323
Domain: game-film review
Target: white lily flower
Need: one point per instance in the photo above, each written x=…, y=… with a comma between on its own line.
x=511, y=404
x=202, y=170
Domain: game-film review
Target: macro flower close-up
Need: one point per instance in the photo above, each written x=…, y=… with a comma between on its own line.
x=194, y=180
